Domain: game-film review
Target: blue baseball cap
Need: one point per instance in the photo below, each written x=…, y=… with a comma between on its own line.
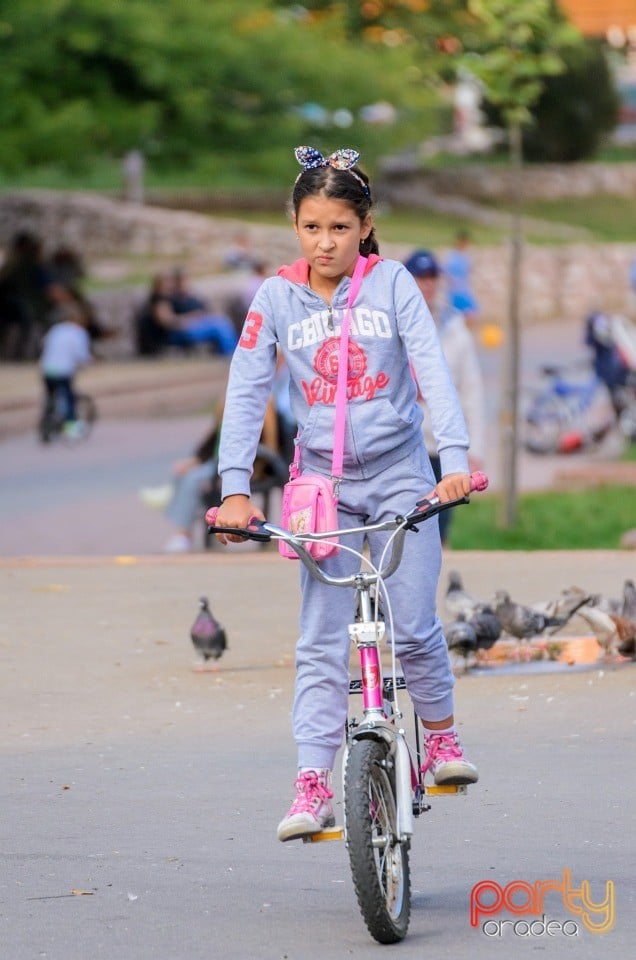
x=422, y=263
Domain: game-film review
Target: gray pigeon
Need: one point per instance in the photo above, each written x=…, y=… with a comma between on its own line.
x=629, y=601
x=458, y=601
x=207, y=635
x=461, y=638
x=487, y=627
x=603, y=626
x=613, y=606
x=521, y=621
x=565, y=606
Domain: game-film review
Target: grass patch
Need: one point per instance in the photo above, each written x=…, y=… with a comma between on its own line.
x=610, y=219
x=592, y=519
x=629, y=454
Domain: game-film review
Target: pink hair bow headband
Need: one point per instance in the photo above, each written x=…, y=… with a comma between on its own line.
x=309, y=158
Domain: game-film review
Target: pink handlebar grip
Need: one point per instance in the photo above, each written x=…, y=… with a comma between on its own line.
x=211, y=515
x=478, y=482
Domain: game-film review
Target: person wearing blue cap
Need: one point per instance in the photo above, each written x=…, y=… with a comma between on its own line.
x=462, y=358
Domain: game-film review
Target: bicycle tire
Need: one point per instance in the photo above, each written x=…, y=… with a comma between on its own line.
x=379, y=862
x=49, y=424
x=544, y=423
x=86, y=412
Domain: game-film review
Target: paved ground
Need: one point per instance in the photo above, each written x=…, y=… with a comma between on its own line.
x=140, y=798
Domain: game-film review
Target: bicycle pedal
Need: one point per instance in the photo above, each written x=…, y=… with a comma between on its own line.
x=440, y=790
x=332, y=833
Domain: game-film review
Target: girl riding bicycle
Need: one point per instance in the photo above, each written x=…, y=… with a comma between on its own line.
x=386, y=467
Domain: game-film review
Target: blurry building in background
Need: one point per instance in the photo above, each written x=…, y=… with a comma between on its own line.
x=596, y=18
x=613, y=21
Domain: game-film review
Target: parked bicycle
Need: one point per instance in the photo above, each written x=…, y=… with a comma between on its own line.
x=53, y=421
x=383, y=786
x=567, y=413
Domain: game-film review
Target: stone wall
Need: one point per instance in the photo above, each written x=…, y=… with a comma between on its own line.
x=103, y=227
x=484, y=182
x=558, y=282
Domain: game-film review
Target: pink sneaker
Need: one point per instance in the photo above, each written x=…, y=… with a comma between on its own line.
x=446, y=762
x=311, y=811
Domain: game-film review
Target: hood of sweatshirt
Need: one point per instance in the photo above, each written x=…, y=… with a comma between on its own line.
x=298, y=271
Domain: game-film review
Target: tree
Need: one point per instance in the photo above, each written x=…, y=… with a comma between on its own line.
x=183, y=81
x=516, y=46
x=575, y=110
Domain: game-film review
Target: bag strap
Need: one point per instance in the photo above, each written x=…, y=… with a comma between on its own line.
x=343, y=369
x=341, y=385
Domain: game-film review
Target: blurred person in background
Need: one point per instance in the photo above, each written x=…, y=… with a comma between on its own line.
x=159, y=325
x=193, y=476
x=24, y=302
x=457, y=270
x=66, y=274
x=462, y=358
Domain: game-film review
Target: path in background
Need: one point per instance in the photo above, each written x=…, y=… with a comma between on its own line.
x=83, y=498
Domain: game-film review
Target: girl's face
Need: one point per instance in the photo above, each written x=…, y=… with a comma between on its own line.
x=330, y=232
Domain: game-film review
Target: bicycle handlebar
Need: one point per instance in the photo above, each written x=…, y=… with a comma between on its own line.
x=263, y=531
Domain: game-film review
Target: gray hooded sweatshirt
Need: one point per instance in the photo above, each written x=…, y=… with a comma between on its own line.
x=391, y=329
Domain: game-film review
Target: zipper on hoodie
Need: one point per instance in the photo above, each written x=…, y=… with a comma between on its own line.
x=330, y=318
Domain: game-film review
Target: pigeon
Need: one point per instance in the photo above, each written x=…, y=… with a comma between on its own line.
x=610, y=605
x=458, y=601
x=564, y=607
x=626, y=630
x=629, y=601
x=207, y=635
x=627, y=644
x=521, y=621
x=461, y=638
x=487, y=627
x=602, y=626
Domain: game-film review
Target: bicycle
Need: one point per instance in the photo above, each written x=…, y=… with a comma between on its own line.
x=383, y=786
x=52, y=423
x=567, y=415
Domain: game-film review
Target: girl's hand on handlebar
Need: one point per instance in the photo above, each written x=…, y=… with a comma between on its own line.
x=454, y=486
x=236, y=511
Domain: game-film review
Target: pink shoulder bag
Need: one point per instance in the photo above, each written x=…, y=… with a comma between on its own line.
x=310, y=501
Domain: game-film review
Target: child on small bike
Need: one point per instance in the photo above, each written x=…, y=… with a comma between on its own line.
x=65, y=349
x=386, y=467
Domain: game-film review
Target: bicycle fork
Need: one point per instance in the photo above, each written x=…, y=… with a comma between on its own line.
x=379, y=718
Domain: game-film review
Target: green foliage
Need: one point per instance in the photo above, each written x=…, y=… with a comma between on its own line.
x=179, y=80
x=516, y=45
x=575, y=110
x=591, y=519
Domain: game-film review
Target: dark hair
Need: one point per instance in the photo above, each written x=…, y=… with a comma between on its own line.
x=346, y=185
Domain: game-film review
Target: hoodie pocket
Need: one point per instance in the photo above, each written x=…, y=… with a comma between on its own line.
x=376, y=428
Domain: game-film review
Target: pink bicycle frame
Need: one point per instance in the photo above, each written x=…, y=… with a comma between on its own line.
x=371, y=671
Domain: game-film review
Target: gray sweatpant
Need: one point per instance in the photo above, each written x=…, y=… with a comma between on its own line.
x=322, y=652
x=185, y=504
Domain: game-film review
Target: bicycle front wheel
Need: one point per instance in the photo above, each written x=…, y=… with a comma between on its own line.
x=86, y=412
x=379, y=862
x=544, y=423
